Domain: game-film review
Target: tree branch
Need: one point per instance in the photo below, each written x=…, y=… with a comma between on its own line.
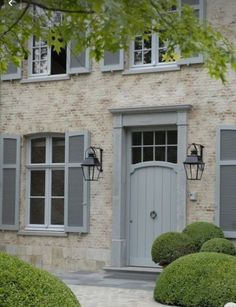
x=56, y=9
x=17, y=21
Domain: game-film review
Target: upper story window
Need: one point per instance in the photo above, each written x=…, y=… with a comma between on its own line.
x=149, y=51
x=45, y=61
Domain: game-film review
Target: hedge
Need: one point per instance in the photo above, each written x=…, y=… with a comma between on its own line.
x=198, y=280
x=22, y=285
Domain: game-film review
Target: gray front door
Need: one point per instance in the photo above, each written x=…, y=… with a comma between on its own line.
x=151, y=195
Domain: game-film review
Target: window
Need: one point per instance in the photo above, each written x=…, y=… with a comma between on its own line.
x=57, y=195
x=47, y=173
x=148, y=52
x=226, y=178
x=45, y=61
x=154, y=146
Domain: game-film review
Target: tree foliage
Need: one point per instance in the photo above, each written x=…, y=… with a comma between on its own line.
x=111, y=25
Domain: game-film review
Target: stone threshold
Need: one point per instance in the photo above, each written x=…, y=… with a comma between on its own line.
x=133, y=272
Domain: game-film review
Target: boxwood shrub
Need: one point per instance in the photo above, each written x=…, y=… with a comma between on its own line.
x=170, y=246
x=22, y=285
x=200, y=232
x=198, y=280
x=219, y=245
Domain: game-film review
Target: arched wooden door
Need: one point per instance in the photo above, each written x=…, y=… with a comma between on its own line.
x=151, y=193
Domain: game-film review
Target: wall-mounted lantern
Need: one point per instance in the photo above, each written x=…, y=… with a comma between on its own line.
x=194, y=165
x=92, y=165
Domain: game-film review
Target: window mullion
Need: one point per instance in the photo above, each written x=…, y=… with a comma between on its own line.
x=48, y=198
x=154, y=49
x=49, y=59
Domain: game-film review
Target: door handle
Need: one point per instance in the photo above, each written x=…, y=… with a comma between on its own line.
x=153, y=214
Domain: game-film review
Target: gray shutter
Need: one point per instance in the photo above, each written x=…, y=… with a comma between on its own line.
x=228, y=197
x=113, y=60
x=200, y=5
x=76, y=189
x=13, y=73
x=77, y=63
x=226, y=179
x=9, y=181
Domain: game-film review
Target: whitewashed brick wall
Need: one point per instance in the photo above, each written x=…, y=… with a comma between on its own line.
x=82, y=103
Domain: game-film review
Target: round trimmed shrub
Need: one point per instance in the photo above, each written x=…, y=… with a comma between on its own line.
x=22, y=285
x=219, y=245
x=169, y=246
x=200, y=232
x=198, y=280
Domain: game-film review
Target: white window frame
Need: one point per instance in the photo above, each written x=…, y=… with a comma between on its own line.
x=48, y=166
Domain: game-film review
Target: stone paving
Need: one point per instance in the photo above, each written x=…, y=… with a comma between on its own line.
x=95, y=289
x=91, y=296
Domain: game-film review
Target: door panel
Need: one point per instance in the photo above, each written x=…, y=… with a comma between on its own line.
x=152, y=189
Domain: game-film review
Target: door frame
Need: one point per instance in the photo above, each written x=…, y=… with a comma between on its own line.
x=124, y=119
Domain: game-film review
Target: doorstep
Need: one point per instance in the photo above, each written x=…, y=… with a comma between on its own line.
x=133, y=272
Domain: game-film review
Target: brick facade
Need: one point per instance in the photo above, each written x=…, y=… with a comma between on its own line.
x=82, y=102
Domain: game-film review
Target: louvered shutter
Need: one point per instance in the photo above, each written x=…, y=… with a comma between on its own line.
x=13, y=73
x=76, y=189
x=227, y=180
x=9, y=181
x=113, y=61
x=77, y=63
x=199, y=7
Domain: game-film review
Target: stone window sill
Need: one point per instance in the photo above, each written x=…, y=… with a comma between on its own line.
x=42, y=233
x=145, y=70
x=45, y=79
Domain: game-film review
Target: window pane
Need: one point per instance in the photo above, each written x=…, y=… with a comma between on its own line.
x=57, y=211
x=162, y=52
x=38, y=150
x=160, y=154
x=138, y=57
x=36, y=54
x=160, y=137
x=36, y=68
x=138, y=43
x=148, y=154
x=44, y=53
x=136, y=155
x=37, y=211
x=148, y=138
x=172, y=137
x=37, y=187
x=136, y=138
x=148, y=42
x=172, y=154
x=58, y=183
x=58, y=150
x=147, y=57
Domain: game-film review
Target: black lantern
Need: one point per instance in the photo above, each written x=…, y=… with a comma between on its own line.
x=92, y=166
x=194, y=165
